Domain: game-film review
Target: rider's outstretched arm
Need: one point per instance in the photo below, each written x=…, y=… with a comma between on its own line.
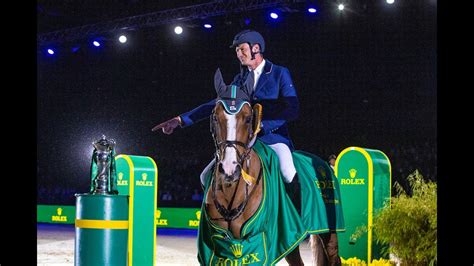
x=199, y=113
x=186, y=119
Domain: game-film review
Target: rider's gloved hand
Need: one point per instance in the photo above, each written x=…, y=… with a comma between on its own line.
x=168, y=126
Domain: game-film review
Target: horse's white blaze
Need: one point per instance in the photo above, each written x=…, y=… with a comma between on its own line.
x=230, y=154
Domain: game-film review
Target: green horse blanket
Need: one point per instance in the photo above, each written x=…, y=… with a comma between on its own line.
x=276, y=228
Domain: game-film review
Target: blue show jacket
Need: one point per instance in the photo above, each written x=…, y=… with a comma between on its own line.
x=277, y=95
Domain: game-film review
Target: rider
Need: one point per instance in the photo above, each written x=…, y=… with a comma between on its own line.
x=274, y=90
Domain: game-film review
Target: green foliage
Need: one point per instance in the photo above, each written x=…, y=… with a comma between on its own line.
x=409, y=225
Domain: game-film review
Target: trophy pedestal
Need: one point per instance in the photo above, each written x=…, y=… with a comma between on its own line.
x=101, y=229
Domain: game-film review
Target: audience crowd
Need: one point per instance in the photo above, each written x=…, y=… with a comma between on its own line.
x=179, y=184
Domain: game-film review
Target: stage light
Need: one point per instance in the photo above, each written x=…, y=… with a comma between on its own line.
x=178, y=30
x=123, y=39
x=340, y=7
x=50, y=51
x=273, y=15
x=390, y=1
x=96, y=43
x=312, y=10
x=207, y=26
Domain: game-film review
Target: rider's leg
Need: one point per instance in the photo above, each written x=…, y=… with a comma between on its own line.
x=205, y=172
x=290, y=176
x=286, y=161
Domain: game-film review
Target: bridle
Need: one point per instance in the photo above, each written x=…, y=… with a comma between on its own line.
x=222, y=145
x=228, y=214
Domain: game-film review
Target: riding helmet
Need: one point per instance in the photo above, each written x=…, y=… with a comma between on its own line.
x=249, y=36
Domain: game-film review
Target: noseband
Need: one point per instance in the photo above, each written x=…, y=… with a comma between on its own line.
x=222, y=145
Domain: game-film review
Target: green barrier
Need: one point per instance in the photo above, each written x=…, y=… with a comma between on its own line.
x=137, y=176
x=177, y=218
x=59, y=214
x=364, y=176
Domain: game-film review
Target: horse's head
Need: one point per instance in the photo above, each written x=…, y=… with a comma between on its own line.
x=234, y=126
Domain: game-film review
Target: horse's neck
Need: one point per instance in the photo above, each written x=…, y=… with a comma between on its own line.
x=253, y=168
x=228, y=193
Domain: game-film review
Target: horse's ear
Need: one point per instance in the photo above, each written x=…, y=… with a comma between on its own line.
x=257, y=118
x=219, y=84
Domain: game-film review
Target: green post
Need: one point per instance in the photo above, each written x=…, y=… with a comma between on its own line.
x=137, y=176
x=101, y=230
x=364, y=177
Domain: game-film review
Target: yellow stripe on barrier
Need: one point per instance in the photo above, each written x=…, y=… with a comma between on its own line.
x=102, y=224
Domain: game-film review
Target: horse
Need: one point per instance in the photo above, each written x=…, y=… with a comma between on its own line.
x=236, y=189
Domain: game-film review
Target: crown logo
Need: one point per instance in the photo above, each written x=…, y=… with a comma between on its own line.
x=237, y=250
x=60, y=211
x=120, y=175
x=158, y=214
x=198, y=215
x=352, y=172
x=144, y=175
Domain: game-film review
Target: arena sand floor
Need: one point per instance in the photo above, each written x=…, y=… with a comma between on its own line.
x=55, y=246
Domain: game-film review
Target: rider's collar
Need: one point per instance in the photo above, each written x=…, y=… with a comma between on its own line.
x=259, y=68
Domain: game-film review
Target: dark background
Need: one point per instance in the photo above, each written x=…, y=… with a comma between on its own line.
x=366, y=77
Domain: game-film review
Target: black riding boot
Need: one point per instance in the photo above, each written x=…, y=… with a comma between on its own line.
x=294, y=192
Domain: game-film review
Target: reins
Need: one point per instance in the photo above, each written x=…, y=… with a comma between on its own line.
x=229, y=214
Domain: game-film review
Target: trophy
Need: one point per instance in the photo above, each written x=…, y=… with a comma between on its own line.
x=103, y=167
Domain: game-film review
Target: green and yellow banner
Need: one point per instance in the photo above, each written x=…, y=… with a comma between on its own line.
x=59, y=214
x=176, y=218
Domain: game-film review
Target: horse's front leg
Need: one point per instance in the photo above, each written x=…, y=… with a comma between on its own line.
x=332, y=247
x=318, y=251
x=325, y=249
x=294, y=257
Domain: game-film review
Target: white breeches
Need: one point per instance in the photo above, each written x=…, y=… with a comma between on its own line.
x=287, y=166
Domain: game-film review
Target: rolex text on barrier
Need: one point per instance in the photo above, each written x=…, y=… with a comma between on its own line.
x=58, y=214
x=364, y=177
x=137, y=177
